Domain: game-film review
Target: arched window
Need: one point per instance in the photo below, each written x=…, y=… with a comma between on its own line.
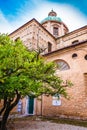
x=49, y=47
x=62, y=65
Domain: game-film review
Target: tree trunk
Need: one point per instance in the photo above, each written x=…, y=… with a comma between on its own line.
x=7, y=111
x=4, y=119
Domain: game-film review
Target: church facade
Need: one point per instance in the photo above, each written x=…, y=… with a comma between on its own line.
x=69, y=51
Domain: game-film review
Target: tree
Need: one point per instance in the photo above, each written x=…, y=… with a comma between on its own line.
x=24, y=72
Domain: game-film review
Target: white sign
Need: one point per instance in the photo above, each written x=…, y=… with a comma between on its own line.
x=56, y=102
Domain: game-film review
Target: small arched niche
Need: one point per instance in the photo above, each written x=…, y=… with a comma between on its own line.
x=75, y=41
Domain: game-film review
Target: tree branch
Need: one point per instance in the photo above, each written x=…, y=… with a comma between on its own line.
x=18, y=96
x=4, y=105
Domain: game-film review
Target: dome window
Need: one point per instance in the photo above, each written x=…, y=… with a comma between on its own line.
x=55, y=31
x=74, y=55
x=85, y=57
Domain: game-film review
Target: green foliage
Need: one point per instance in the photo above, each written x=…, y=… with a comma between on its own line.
x=25, y=71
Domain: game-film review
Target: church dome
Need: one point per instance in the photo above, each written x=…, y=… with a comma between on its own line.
x=54, y=25
x=52, y=16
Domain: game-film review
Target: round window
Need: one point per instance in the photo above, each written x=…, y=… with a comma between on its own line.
x=74, y=55
x=85, y=57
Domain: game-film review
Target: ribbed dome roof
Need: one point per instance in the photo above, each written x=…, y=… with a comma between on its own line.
x=52, y=16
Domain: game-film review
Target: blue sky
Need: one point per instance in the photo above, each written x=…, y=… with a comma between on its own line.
x=14, y=13
x=79, y=4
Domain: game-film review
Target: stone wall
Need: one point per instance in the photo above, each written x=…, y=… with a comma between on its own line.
x=76, y=106
x=68, y=39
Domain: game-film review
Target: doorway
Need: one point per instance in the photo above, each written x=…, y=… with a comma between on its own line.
x=30, y=105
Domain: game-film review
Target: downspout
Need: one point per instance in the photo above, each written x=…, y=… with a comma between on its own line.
x=41, y=105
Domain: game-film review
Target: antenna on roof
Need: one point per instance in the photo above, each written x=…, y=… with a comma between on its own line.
x=52, y=10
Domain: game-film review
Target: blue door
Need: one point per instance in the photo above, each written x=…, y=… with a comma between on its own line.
x=31, y=105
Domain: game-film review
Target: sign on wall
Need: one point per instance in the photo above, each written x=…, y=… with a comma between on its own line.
x=56, y=100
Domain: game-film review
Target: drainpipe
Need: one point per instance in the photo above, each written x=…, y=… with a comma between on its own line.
x=41, y=105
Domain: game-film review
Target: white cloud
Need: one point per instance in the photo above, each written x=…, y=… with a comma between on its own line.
x=70, y=16
x=5, y=26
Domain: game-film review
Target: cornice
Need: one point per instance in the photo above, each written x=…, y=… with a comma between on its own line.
x=67, y=47
x=29, y=23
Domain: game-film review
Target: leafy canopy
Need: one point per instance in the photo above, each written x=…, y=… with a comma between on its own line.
x=25, y=71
